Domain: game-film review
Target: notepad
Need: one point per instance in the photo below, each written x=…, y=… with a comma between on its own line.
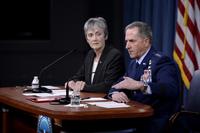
x=42, y=99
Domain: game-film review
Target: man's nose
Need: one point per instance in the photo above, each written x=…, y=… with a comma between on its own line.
x=127, y=45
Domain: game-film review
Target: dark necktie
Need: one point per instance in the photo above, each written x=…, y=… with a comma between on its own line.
x=137, y=69
x=135, y=77
x=137, y=65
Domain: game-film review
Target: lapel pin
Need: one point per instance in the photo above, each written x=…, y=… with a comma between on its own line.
x=144, y=63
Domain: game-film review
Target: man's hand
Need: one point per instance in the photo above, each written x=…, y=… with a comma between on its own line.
x=129, y=83
x=120, y=97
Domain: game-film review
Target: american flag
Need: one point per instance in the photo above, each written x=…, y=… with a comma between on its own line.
x=187, y=41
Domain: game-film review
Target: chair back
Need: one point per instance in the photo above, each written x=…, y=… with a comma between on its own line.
x=193, y=103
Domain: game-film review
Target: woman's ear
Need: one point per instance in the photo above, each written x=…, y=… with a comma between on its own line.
x=106, y=37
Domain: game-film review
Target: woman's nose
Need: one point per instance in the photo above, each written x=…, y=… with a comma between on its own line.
x=94, y=37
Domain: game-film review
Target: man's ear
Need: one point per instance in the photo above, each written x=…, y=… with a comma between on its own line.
x=147, y=42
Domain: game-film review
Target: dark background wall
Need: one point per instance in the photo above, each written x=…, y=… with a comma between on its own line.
x=34, y=33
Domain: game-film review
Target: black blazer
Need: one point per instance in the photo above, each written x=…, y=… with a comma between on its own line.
x=109, y=69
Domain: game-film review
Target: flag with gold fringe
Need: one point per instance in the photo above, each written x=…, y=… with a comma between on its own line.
x=187, y=41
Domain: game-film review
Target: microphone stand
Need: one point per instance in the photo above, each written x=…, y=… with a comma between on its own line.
x=43, y=89
x=65, y=100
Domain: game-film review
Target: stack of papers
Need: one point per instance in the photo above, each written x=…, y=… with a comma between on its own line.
x=56, y=91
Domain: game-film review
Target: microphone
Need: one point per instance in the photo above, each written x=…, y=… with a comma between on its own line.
x=43, y=89
x=65, y=100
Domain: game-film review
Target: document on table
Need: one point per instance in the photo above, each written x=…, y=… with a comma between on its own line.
x=54, y=93
x=109, y=104
x=51, y=87
x=47, y=86
x=87, y=99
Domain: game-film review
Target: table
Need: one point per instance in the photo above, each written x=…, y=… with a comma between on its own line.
x=11, y=98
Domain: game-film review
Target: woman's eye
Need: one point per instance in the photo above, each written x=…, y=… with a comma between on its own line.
x=89, y=35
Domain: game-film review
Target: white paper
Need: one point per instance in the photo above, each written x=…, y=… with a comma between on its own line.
x=47, y=86
x=109, y=104
x=94, y=99
x=38, y=94
x=54, y=93
x=80, y=105
x=51, y=87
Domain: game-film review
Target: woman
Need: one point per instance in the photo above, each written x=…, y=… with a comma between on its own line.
x=103, y=64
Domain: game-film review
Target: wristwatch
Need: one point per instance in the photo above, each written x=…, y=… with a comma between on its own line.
x=145, y=88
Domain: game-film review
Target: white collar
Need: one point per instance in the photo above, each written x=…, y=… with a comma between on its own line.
x=142, y=57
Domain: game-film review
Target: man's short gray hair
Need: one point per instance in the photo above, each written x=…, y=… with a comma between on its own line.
x=144, y=29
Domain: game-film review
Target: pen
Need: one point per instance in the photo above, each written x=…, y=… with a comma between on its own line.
x=85, y=98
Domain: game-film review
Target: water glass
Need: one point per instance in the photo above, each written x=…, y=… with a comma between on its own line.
x=75, y=98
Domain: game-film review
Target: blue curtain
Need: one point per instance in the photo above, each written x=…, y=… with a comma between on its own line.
x=160, y=15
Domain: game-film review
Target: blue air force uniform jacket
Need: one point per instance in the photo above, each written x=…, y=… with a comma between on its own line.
x=165, y=85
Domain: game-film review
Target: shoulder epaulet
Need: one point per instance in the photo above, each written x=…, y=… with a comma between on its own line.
x=157, y=54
